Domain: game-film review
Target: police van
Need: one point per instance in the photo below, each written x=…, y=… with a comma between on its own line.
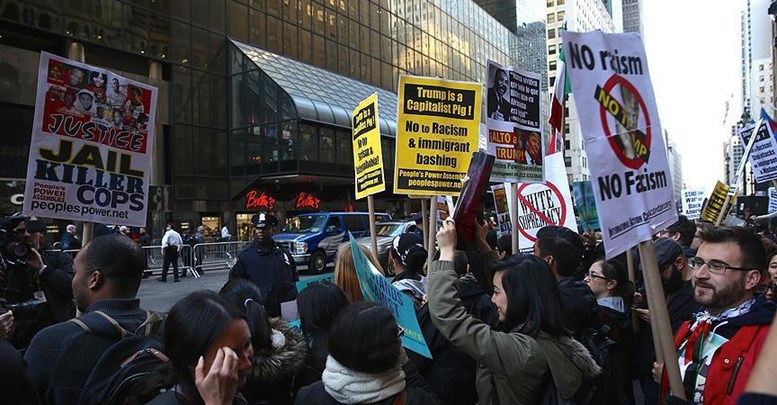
x=313, y=238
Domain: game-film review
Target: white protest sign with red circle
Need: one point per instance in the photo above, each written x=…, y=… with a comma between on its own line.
x=622, y=136
x=545, y=204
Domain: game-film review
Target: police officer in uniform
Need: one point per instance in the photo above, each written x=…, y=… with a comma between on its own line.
x=267, y=265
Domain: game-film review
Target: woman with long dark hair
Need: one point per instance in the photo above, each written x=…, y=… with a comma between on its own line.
x=365, y=362
x=209, y=346
x=279, y=351
x=609, y=281
x=318, y=305
x=532, y=355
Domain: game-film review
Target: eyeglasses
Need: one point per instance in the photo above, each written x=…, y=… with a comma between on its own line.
x=714, y=266
x=592, y=275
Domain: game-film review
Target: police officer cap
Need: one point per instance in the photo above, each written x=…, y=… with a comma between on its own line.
x=264, y=219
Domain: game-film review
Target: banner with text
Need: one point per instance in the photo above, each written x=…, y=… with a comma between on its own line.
x=772, y=200
x=438, y=126
x=377, y=288
x=763, y=155
x=514, y=124
x=502, y=206
x=622, y=134
x=715, y=203
x=92, y=139
x=367, y=154
x=585, y=202
x=692, y=203
x=546, y=203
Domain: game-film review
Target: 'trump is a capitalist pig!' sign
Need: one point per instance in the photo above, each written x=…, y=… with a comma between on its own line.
x=90, y=155
x=438, y=124
x=619, y=122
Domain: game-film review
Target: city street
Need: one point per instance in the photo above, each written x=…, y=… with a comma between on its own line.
x=160, y=297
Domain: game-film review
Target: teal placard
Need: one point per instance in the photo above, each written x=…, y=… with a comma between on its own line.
x=377, y=288
x=303, y=284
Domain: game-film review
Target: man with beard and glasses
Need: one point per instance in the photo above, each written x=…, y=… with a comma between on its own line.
x=267, y=265
x=717, y=349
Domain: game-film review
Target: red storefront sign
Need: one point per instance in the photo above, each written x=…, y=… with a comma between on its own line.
x=307, y=201
x=255, y=199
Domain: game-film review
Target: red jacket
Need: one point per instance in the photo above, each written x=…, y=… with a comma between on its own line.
x=731, y=364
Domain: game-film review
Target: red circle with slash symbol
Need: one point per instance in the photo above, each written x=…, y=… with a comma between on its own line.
x=637, y=161
x=544, y=218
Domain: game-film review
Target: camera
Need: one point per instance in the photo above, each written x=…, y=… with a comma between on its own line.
x=13, y=251
x=22, y=310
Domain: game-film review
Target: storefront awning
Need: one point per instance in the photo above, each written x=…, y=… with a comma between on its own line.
x=320, y=95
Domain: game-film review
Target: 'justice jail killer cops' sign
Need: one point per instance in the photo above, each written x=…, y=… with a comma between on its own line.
x=619, y=120
x=90, y=154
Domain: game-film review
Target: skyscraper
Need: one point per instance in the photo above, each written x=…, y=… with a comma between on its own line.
x=632, y=16
x=581, y=16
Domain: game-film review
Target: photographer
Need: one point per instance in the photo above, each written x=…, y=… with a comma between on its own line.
x=36, y=282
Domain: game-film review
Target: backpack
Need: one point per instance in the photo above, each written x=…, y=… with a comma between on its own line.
x=607, y=388
x=125, y=363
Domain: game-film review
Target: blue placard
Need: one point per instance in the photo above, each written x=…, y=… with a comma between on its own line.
x=377, y=288
x=303, y=284
x=586, y=205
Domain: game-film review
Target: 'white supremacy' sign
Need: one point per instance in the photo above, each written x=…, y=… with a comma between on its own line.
x=622, y=135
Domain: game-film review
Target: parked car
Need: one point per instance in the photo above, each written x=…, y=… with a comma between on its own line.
x=386, y=232
x=313, y=238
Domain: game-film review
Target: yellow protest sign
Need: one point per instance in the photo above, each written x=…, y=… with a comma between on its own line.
x=715, y=203
x=367, y=155
x=437, y=131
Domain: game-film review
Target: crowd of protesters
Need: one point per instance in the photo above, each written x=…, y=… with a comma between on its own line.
x=563, y=325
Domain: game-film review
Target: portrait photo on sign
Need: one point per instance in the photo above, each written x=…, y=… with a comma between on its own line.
x=498, y=95
x=531, y=144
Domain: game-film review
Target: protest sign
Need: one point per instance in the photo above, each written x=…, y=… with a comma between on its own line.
x=763, y=154
x=443, y=209
x=514, y=124
x=586, y=205
x=92, y=139
x=377, y=288
x=303, y=284
x=502, y=206
x=438, y=126
x=692, y=203
x=715, y=203
x=622, y=134
x=367, y=154
x=772, y=200
x=546, y=203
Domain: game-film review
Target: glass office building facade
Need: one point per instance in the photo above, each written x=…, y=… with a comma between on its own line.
x=228, y=123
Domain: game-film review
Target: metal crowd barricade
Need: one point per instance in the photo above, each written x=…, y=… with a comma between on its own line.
x=155, y=261
x=217, y=255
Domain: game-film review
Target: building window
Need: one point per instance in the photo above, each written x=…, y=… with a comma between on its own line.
x=552, y=81
x=560, y=2
x=761, y=67
x=567, y=161
x=551, y=18
x=560, y=16
x=567, y=144
x=550, y=3
x=552, y=65
x=551, y=33
x=552, y=49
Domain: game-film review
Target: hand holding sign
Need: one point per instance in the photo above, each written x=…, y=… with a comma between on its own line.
x=446, y=240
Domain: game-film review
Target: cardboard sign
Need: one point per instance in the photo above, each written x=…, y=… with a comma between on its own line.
x=772, y=200
x=502, y=206
x=92, y=139
x=715, y=203
x=546, y=203
x=438, y=127
x=585, y=202
x=367, y=154
x=377, y=288
x=763, y=155
x=514, y=124
x=692, y=203
x=622, y=135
